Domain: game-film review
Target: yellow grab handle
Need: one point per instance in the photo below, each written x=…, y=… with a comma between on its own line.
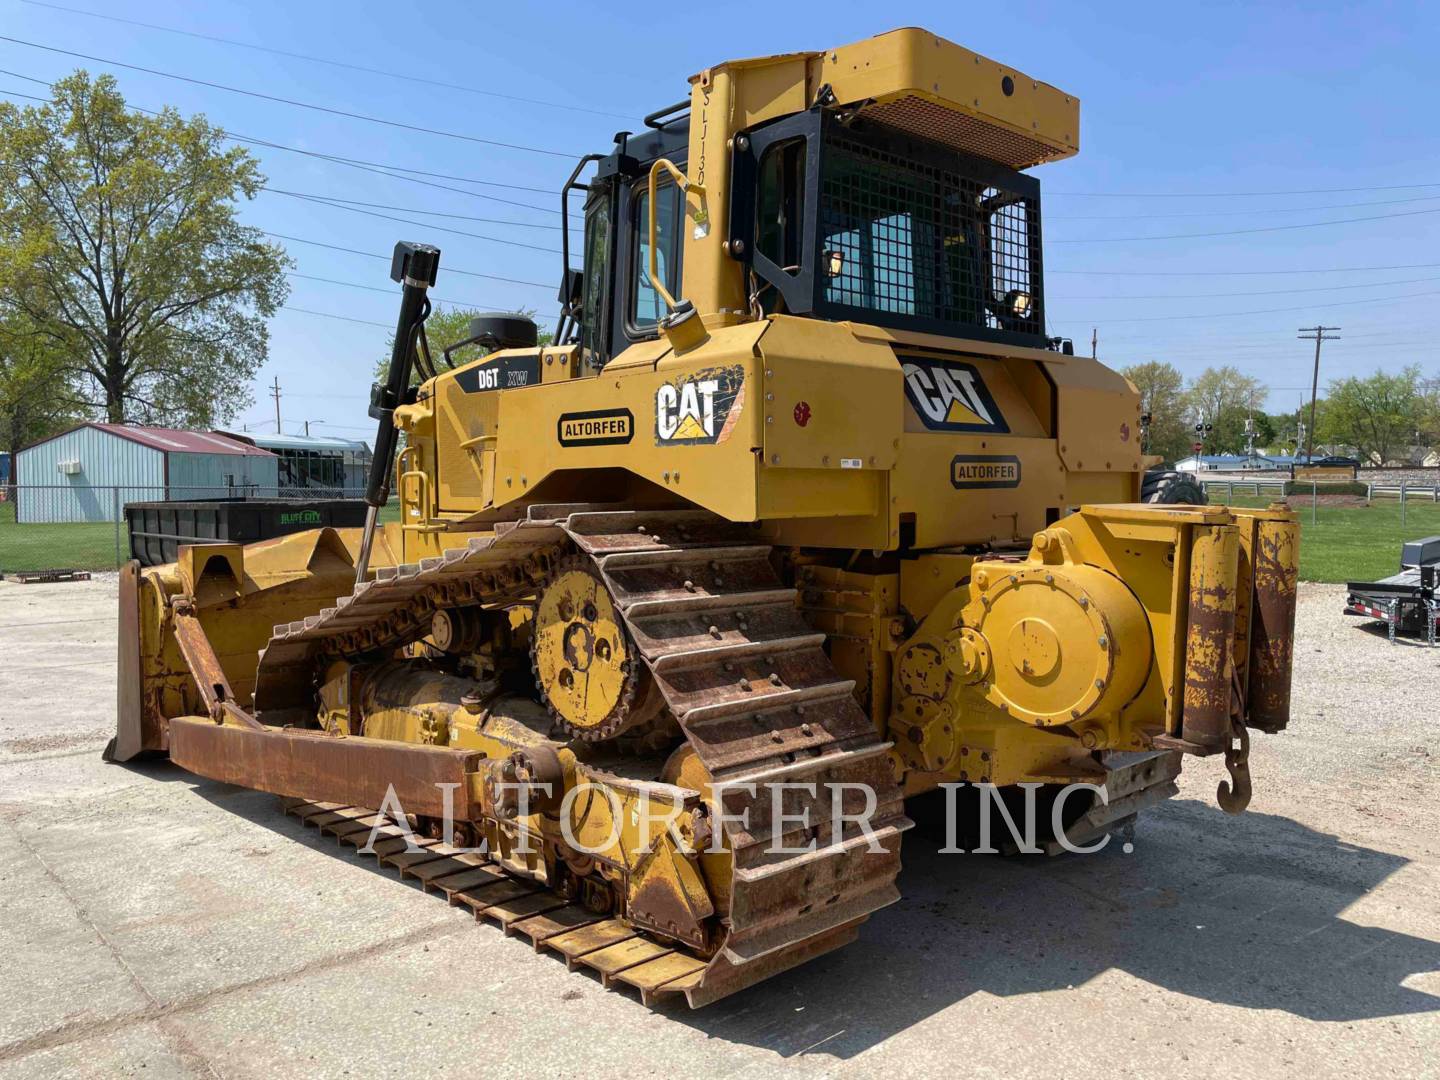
x=684, y=184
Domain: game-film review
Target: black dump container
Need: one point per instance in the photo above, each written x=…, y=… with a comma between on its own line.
x=158, y=528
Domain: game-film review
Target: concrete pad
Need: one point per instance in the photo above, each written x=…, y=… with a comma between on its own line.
x=232, y=891
x=140, y=1050
x=1301, y=938
x=59, y=971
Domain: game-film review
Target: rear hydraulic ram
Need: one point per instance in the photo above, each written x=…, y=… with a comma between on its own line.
x=414, y=266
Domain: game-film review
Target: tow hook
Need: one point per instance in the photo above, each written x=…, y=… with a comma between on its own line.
x=1234, y=795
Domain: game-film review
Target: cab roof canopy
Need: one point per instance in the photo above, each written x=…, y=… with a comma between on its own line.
x=912, y=80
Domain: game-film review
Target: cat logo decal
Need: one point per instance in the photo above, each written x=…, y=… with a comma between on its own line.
x=701, y=408
x=950, y=395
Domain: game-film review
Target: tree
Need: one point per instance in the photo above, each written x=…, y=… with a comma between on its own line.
x=446, y=326
x=1429, y=390
x=1162, y=396
x=1224, y=398
x=1380, y=416
x=119, y=241
x=1285, y=427
x=31, y=370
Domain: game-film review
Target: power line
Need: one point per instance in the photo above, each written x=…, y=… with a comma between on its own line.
x=332, y=315
x=423, y=224
x=1237, y=194
x=332, y=63
x=579, y=108
x=1242, y=232
x=1240, y=273
x=411, y=209
x=1250, y=341
x=1166, y=348
x=394, y=172
x=400, y=172
x=1228, y=213
x=1247, y=292
x=293, y=102
x=386, y=258
x=1271, y=311
x=350, y=251
x=391, y=291
x=387, y=170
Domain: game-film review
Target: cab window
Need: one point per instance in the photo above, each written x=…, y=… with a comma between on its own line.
x=780, y=205
x=646, y=306
x=597, y=262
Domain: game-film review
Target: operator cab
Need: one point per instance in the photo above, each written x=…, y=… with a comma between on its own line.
x=839, y=213
x=616, y=304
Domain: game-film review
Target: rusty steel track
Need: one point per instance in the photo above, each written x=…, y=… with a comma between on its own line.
x=521, y=906
x=746, y=679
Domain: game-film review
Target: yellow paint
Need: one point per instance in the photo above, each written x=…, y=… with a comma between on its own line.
x=582, y=657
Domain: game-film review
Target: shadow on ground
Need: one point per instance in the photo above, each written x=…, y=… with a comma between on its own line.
x=1411, y=634
x=1241, y=911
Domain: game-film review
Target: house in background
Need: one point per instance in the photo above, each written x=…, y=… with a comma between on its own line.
x=90, y=472
x=1231, y=463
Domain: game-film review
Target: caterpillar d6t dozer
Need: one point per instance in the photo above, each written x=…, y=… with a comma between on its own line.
x=799, y=517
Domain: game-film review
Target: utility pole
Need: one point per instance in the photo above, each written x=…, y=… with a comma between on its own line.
x=1094, y=341
x=275, y=393
x=1316, y=334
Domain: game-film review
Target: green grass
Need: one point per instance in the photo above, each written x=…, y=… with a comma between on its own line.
x=1355, y=543
x=58, y=547
x=84, y=546
x=1341, y=543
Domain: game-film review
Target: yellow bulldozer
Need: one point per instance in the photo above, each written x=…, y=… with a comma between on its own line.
x=800, y=517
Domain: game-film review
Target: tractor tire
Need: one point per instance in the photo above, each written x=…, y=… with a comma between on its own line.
x=1172, y=487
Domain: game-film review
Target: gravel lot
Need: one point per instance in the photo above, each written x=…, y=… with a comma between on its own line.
x=152, y=923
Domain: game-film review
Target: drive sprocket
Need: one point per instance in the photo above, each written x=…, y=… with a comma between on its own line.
x=585, y=664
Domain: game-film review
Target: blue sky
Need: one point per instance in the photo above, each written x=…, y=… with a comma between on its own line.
x=1195, y=118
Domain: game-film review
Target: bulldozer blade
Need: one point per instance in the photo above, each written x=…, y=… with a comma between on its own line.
x=320, y=767
x=129, y=738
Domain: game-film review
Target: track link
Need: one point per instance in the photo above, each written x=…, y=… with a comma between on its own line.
x=748, y=681
x=521, y=906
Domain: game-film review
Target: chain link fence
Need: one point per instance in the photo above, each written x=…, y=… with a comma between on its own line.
x=83, y=527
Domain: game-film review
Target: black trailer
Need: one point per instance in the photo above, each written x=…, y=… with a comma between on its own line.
x=157, y=529
x=1406, y=602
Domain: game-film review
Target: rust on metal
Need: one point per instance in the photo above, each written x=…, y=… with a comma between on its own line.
x=200, y=658
x=1209, y=637
x=1272, y=624
x=129, y=727
x=314, y=765
x=740, y=670
x=47, y=577
x=1234, y=795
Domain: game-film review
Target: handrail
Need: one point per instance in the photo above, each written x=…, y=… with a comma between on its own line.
x=566, y=308
x=656, y=119
x=422, y=489
x=684, y=183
